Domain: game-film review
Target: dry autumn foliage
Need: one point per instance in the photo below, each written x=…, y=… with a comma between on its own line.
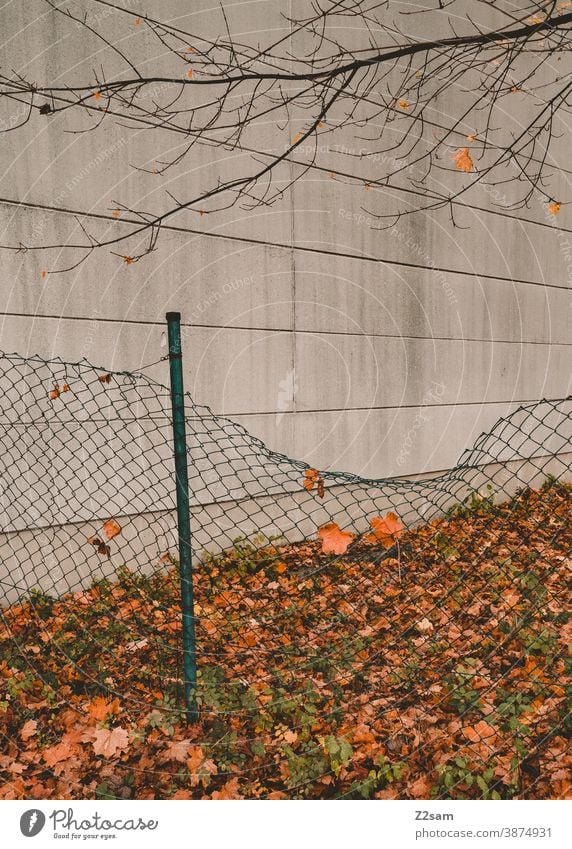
x=319, y=676
x=463, y=160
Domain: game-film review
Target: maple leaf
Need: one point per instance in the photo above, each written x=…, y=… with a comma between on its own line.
x=177, y=750
x=107, y=741
x=554, y=207
x=463, y=161
x=55, y=754
x=28, y=729
x=99, y=708
x=228, y=791
x=385, y=530
x=480, y=732
x=111, y=528
x=403, y=104
x=334, y=540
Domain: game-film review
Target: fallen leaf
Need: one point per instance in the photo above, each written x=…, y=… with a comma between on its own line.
x=111, y=528
x=463, y=161
x=554, y=207
x=480, y=732
x=28, y=729
x=107, y=741
x=128, y=260
x=425, y=626
x=190, y=73
x=177, y=750
x=403, y=104
x=116, y=213
x=385, y=530
x=55, y=754
x=104, y=378
x=97, y=95
x=99, y=708
x=227, y=791
x=334, y=540
x=55, y=393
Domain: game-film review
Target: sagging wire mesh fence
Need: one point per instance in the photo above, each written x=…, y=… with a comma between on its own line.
x=355, y=638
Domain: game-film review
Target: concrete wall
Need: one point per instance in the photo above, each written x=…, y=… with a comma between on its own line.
x=377, y=352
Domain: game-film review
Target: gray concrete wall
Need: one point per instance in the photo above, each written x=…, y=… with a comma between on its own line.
x=377, y=352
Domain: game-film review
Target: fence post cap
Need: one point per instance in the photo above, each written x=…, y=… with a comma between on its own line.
x=173, y=316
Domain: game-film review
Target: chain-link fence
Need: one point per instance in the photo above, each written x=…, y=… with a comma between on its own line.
x=355, y=638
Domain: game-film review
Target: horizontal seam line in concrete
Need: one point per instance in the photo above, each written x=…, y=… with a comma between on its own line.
x=373, y=408
x=198, y=417
x=287, y=247
x=148, y=323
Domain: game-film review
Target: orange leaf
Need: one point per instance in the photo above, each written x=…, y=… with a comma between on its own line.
x=137, y=21
x=55, y=754
x=480, y=732
x=128, y=260
x=116, y=213
x=111, y=528
x=463, y=160
x=311, y=476
x=321, y=488
x=104, y=378
x=403, y=104
x=472, y=137
x=99, y=708
x=334, y=540
x=554, y=207
x=385, y=530
x=228, y=791
x=97, y=95
x=177, y=750
x=28, y=729
x=107, y=741
x=44, y=275
x=55, y=393
x=65, y=388
x=190, y=73
x=280, y=568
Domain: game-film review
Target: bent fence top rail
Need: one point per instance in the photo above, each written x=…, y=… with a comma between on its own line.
x=339, y=619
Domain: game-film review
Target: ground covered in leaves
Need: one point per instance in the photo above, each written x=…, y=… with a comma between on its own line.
x=436, y=669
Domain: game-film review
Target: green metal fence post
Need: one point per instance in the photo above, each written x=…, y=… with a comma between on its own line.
x=183, y=513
